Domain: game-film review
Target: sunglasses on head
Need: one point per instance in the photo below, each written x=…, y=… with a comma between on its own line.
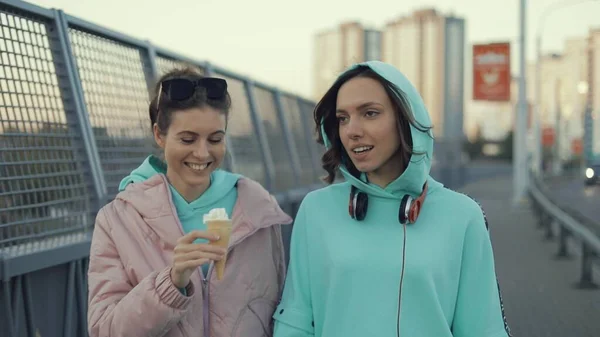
x=180, y=89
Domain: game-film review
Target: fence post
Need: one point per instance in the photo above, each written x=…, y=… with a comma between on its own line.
x=540, y=218
x=70, y=301
x=539, y=212
x=150, y=69
x=586, y=281
x=287, y=136
x=73, y=98
x=229, y=160
x=563, y=251
x=549, y=230
x=28, y=306
x=7, y=308
x=262, y=138
x=309, y=137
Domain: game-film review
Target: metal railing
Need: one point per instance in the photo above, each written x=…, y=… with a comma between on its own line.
x=73, y=123
x=562, y=222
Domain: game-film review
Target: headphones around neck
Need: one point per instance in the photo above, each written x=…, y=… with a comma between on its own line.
x=408, y=211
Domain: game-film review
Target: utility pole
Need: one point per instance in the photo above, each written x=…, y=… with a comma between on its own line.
x=588, y=136
x=558, y=134
x=520, y=167
x=537, y=115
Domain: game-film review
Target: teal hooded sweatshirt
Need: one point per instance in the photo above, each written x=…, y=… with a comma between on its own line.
x=222, y=193
x=344, y=275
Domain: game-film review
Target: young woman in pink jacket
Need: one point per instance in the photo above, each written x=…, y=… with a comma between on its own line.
x=151, y=264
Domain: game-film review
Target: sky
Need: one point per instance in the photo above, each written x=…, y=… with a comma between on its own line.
x=272, y=40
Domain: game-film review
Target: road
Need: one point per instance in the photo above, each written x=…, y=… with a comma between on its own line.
x=570, y=191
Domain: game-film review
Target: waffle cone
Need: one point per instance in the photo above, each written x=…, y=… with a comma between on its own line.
x=223, y=229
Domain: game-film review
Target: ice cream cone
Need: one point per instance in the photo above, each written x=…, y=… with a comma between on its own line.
x=223, y=229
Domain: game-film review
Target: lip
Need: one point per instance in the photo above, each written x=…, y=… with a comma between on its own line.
x=206, y=162
x=187, y=164
x=360, y=156
x=360, y=145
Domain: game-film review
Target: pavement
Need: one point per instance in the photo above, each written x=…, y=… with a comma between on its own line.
x=539, y=292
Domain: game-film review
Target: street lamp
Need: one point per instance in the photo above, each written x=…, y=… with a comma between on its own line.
x=582, y=87
x=537, y=148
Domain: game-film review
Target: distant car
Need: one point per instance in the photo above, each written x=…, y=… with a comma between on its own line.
x=592, y=173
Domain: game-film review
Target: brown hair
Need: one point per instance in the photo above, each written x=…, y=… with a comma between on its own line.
x=324, y=114
x=162, y=115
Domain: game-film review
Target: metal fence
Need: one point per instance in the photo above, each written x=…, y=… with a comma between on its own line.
x=73, y=122
x=577, y=235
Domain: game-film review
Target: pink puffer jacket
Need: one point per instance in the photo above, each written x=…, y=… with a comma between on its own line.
x=130, y=290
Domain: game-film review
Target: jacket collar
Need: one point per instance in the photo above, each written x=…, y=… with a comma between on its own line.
x=254, y=209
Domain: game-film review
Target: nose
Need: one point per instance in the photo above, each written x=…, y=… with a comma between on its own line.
x=354, y=129
x=201, y=150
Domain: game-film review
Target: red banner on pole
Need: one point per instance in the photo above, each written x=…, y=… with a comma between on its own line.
x=491, y=72
x=548, y=136
x=577, y=146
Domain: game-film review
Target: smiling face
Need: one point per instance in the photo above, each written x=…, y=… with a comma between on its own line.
x=368, y=129
x=194, y=146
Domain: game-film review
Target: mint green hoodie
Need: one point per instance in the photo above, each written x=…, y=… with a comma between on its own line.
x=344, y=275
x=222, y=193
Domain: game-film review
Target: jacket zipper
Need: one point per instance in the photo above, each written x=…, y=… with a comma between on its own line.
x=205, y=302
x=206, y=287
x=205, y=282
x=183, y=332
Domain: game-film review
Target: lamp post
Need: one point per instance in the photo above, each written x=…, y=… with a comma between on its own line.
x=519, y=144
x=557, y=128
x=582, y=89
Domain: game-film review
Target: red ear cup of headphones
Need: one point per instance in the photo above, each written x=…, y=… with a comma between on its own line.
x=410, y=208
x=413, y=213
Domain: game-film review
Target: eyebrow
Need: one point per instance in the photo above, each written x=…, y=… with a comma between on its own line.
x=194, y=133
x=362, y=106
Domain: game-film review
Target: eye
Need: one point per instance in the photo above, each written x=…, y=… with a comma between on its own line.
x=371, y=113
x=187, y=140
x=215, y=140
x=342, y=119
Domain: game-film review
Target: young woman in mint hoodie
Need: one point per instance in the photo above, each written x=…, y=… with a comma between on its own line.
x=390, y=251
x=151, y=269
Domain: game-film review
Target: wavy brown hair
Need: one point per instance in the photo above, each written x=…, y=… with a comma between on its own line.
x=324, y=113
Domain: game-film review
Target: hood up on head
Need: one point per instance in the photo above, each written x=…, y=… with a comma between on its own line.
x=411, y=181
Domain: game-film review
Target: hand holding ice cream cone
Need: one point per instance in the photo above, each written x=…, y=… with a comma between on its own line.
x=188, y=256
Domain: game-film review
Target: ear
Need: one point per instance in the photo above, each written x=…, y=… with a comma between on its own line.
x=159, y=138
x=226, y=153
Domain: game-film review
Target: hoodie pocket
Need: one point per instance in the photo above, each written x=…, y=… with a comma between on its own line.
x=255, y=320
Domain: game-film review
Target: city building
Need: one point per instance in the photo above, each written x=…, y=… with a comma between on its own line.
x=429, y=48
x=567, y=92
x=340, y=47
